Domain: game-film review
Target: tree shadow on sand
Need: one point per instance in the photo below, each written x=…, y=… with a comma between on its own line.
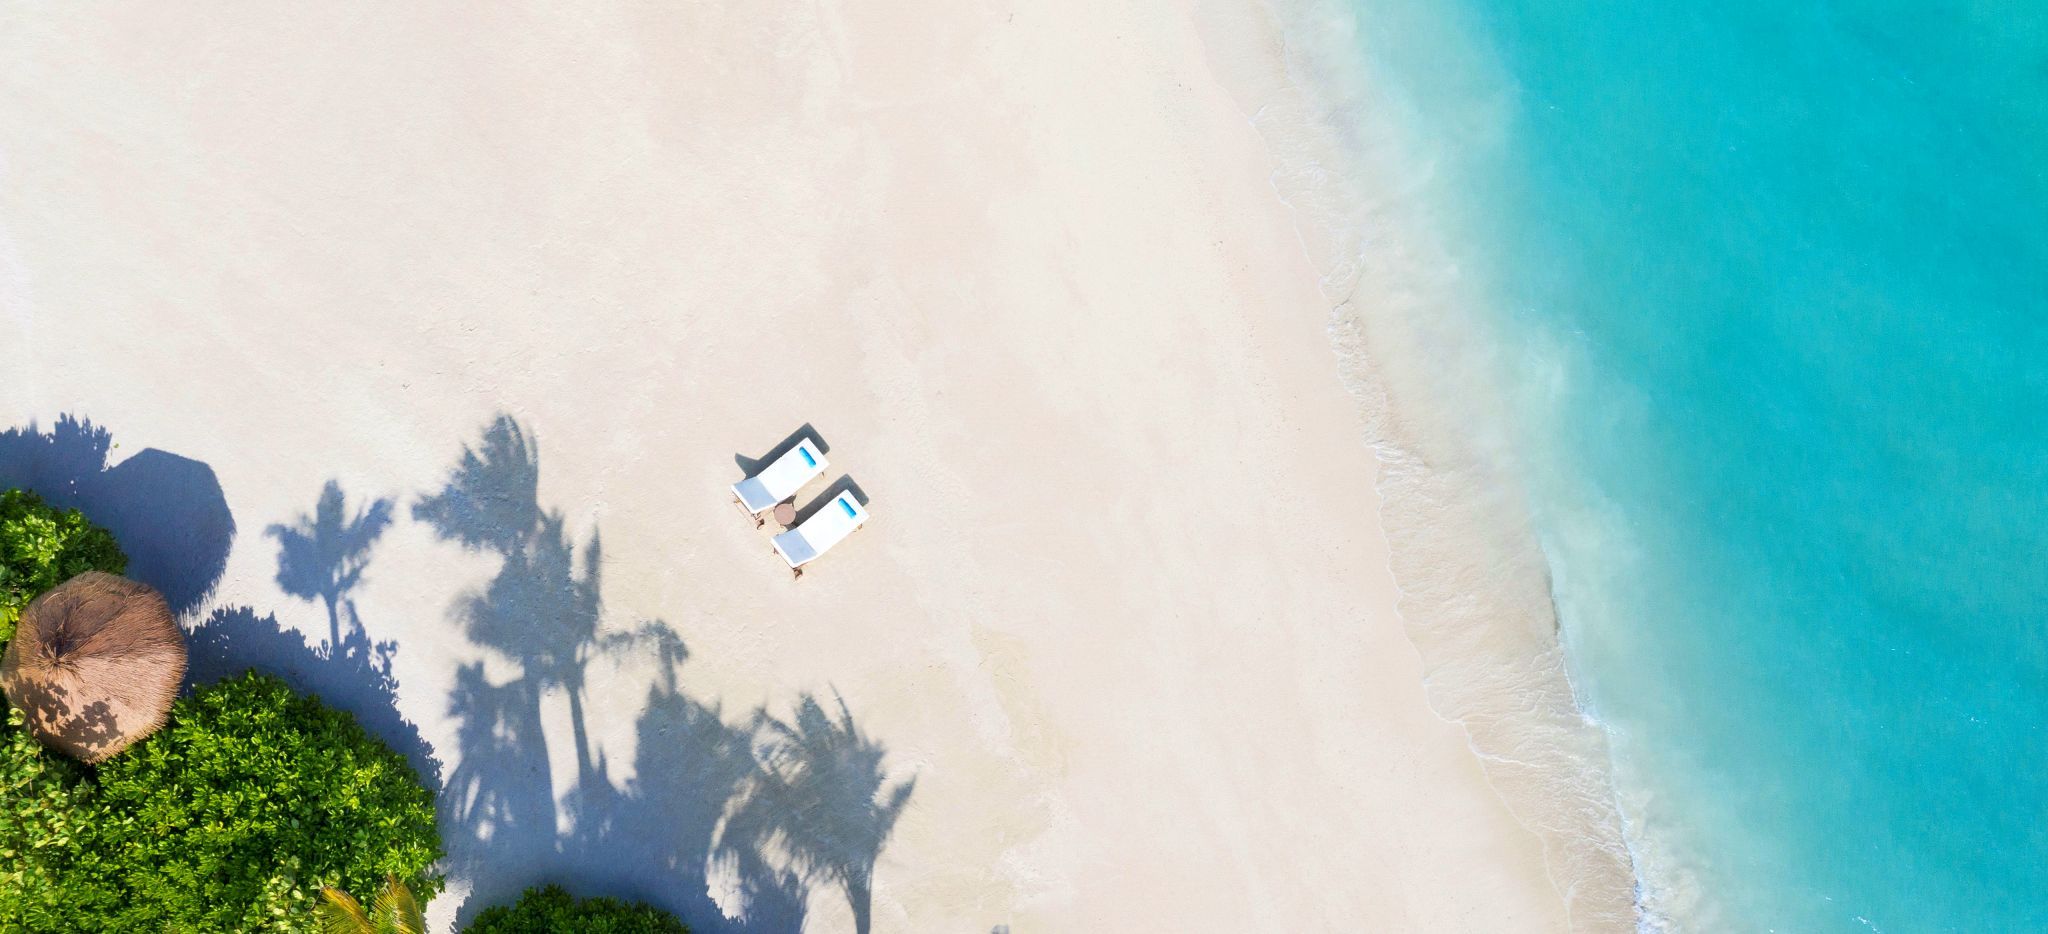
x=170, y=517
x=819, y=798
x=166, y=511
x=730, y=826
x=321, y=556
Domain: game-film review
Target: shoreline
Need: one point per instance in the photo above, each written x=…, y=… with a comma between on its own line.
x=1121, y=615
x=1498, y=668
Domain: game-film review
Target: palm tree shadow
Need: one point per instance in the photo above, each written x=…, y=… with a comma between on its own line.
x=712, y=825
x=689, y=768
x=820, y=796
x=167, y=511
x=540, y=614
x=321, y=556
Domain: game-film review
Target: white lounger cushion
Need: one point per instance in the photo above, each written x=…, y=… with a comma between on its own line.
x=821, y=531
x=780, y=480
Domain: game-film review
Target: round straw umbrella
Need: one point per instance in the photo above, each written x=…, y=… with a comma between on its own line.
x=94, y=664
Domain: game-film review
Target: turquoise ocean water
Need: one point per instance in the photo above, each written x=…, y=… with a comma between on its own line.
x=1774, y=277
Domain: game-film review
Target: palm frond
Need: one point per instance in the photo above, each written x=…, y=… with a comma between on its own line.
x=340, y=913
x=397, y=910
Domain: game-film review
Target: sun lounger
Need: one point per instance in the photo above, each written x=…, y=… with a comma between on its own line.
x=801, y=545
x=780, y=480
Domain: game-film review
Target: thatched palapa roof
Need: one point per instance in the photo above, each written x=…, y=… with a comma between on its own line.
x=95, y=664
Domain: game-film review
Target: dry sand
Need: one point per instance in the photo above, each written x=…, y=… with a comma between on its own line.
x=1122, y=614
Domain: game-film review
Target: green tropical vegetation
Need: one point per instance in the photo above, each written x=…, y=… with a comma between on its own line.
x=252, y=797
x=256, y=808
x=48, y=805
x=551, y=910
x=394, y=911
x=231, y=818
x=42, y=546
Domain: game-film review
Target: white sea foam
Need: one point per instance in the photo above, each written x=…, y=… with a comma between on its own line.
x=1476, y=588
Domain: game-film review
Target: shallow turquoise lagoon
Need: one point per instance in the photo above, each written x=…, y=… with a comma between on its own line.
x=1775, y=277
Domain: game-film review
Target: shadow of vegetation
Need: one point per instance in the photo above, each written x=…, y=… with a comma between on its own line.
x=321, y=556
x=354, y=675
x=167, y=511
x=729, y=825
x=820, y=798
x=90, y=732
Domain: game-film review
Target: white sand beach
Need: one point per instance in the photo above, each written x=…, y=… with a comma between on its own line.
x=1121, y=629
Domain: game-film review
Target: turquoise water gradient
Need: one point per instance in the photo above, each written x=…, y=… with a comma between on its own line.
x=1776, y=276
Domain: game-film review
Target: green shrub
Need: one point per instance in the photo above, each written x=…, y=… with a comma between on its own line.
x=230, y=818
x=550, y=910
x=44, y=804
x=45, y=799
x=42, y=546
